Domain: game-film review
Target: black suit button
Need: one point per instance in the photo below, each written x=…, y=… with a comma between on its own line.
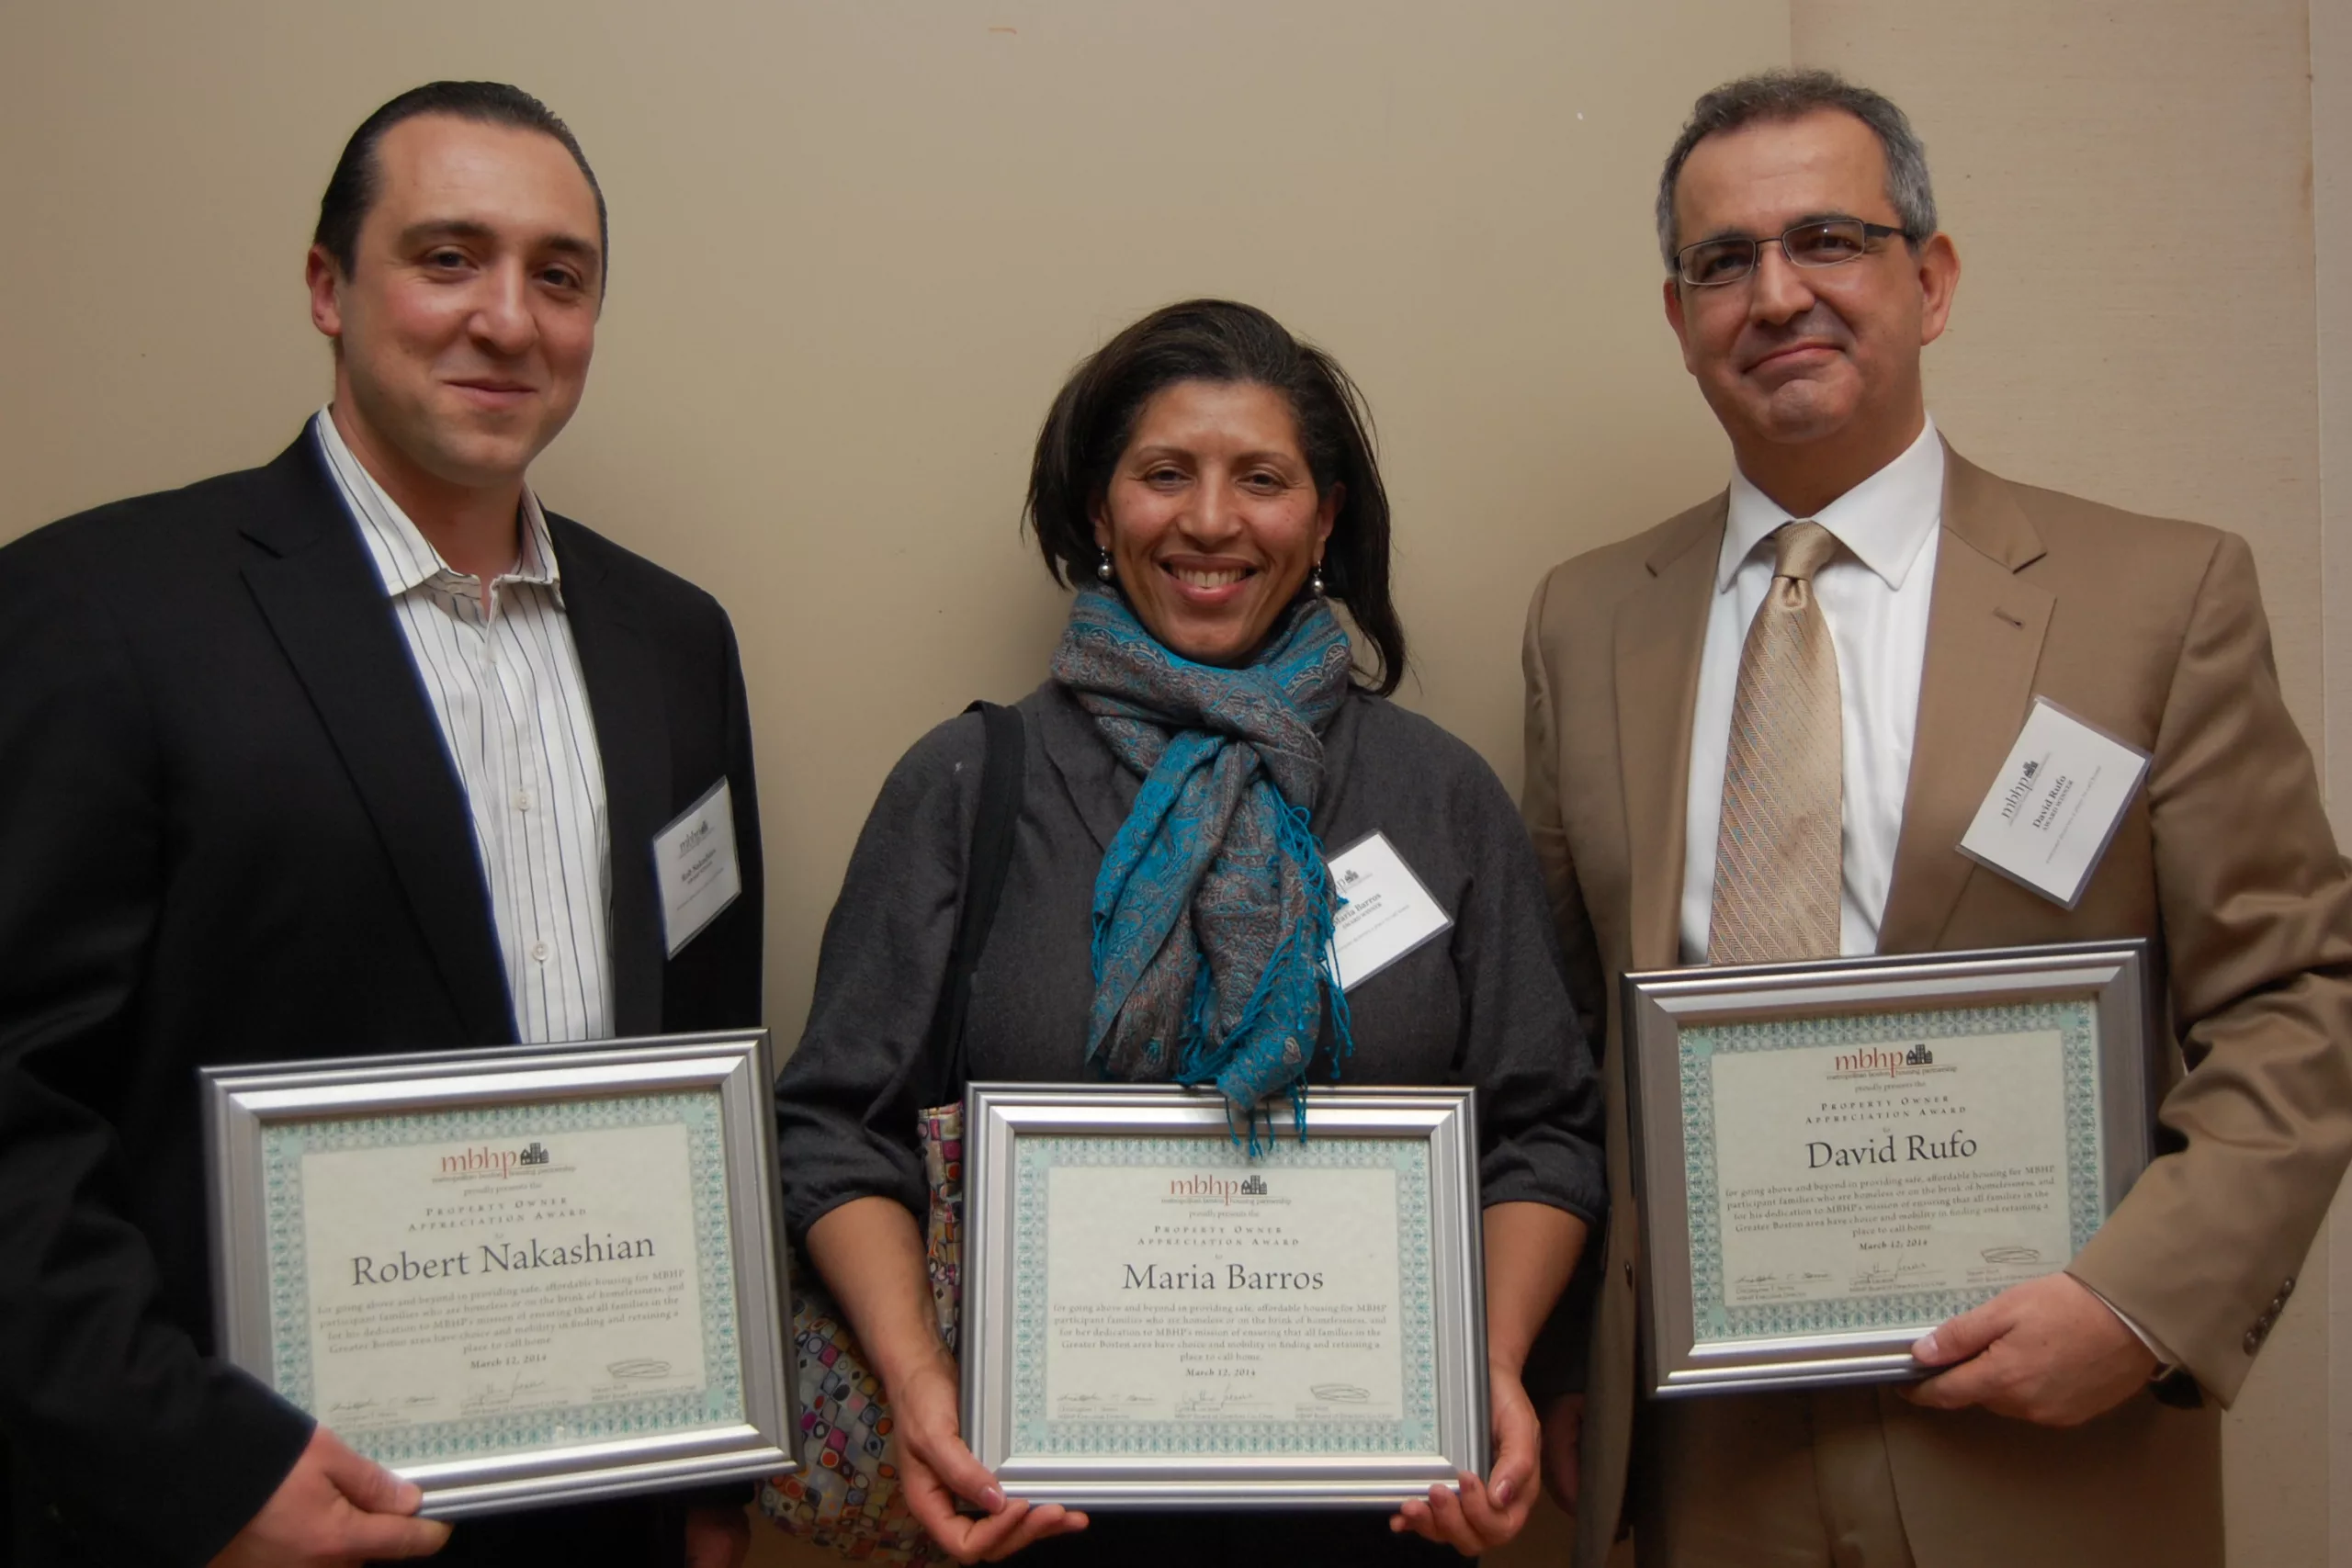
x=2288, y=1289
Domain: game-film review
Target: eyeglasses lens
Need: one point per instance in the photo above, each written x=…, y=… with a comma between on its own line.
x=1827, y=244
x=1719, y=261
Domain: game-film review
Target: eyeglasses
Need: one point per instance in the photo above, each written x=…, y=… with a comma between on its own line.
x=1827, y=242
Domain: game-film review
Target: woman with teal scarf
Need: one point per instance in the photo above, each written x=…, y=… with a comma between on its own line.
x=1205, y=740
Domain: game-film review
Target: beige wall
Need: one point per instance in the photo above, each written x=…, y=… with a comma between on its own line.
x=856, y=246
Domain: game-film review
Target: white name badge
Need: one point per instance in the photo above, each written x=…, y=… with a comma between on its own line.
x=2055, y=803
x=693, y=862
x=1386, y=912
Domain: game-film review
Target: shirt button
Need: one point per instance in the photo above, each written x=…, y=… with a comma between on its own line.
x=522, y=800
x=539, y=952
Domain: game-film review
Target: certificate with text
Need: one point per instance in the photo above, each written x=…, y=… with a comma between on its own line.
x=1835, y=1158
x=511, y=1278
x=1156, y=1315
x=504, y=1278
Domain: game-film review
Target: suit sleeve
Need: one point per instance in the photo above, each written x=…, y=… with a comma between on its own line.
x=150, y=1451
x=1556, y=1362
x=2255, y=906
x=1540, y=808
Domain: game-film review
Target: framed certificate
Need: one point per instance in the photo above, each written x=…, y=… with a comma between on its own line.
x=1832, y=1159
x=517, y=1276
x=1153, y=1317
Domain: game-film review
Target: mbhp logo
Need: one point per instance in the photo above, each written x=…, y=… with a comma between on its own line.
x=483, y=1160
x=1874, y=1060
x=2022, y=790
x=1217, y=1186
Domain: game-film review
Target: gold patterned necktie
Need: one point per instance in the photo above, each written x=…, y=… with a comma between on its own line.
x=1779, y=861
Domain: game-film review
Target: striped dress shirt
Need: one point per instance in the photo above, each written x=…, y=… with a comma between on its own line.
x=505, y=689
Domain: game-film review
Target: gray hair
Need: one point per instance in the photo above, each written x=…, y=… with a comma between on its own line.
x=1787, y=94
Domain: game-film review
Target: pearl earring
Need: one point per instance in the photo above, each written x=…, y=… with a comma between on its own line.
x=1102, y=566
x=1315, y=583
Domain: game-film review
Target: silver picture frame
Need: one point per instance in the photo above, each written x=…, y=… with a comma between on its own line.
x=244, y=1104
x=1972, y=989
x=1000, y=1117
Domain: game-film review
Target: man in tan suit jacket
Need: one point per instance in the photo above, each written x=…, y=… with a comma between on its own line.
x=2053, y=1435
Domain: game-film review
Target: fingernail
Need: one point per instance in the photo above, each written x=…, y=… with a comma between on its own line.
x=1924, y=1347
x=992, y=1499
x=408, y=1495
x=1502, y=1493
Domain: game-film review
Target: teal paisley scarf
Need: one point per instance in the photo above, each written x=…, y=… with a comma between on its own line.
x=1212, y=909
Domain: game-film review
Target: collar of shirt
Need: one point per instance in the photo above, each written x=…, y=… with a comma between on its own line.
x=1884, y=520
x=405, y=559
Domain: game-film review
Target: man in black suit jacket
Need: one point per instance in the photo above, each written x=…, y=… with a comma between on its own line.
x=231, y=829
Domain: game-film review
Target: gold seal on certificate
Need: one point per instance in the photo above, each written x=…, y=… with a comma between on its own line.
x=1831, y=1159
x=513, y=1276
x=1156, y=1317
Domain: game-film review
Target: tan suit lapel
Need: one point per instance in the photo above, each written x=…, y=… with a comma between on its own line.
x=1661, y=629
x=1984, y=631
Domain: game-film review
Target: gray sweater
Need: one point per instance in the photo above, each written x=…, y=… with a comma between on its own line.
x=1482, y=1003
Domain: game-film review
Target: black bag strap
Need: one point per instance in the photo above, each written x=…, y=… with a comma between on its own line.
x=1002, y=774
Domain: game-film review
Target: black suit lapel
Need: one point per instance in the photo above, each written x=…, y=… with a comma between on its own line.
x=633, y=736
x=324, y=601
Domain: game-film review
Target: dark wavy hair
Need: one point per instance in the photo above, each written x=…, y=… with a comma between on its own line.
x=351, y=188
x=1215, y=339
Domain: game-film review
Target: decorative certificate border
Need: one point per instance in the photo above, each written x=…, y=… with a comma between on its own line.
x=2075, y=1021
x=283, y=1145
x=1036, y=1433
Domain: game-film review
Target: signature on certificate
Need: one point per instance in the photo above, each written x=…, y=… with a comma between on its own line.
x=1098, y=1407
x=637, y=1369
x=1198, y=1402
x=1340, y=1393
x=501, y=1396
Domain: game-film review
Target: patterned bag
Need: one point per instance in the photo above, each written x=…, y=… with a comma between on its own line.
x=846, y=1494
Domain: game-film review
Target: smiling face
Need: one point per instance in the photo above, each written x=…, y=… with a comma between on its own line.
x=1212, y=519
x=1806, y=367
x=465, y=328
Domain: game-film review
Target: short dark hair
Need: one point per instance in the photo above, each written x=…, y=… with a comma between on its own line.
x=1789, y=95
x=351, y=188
x=1215, y=339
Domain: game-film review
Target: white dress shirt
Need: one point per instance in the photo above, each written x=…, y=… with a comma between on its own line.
x=506, y=688
x=1875, y=594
